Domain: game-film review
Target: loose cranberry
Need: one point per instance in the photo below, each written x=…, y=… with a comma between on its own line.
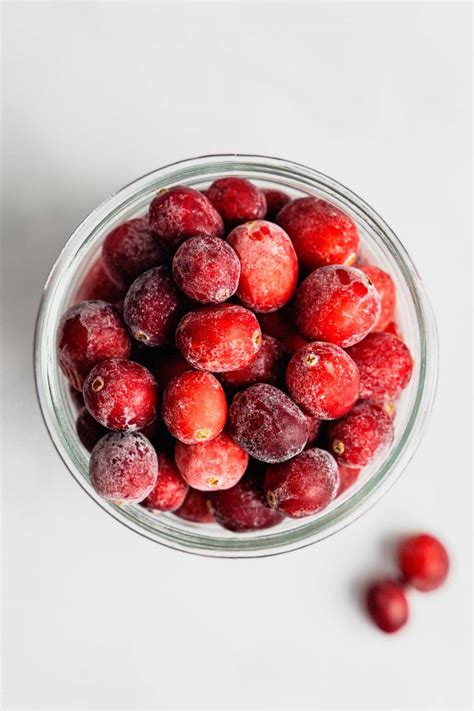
x=219, y=338
x=320, y=232
x=98, y=286
x=385, y=365
x=387, y=605
x=88, y=429
x=88, y=333
x=268, y=367
x=304, y=485
x=170, y=489
x=267, y=424
x=214, y=465
x=423, y=561
x=179, y=213
x=347, y=477
x=121, y=394
x=276, y=199
x=323, y=380
x=237, y=200
x=269, y=267
x=196, y=508
x=206, y=269
x=314, y=426
x=383, y=282
x=152, y=307
x=337, y=304
x=276, y=324
x=358, y=437
x=244, y=507
x=123, y=466
x=167, y=365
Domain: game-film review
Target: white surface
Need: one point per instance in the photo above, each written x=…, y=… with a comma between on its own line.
x=376, y=96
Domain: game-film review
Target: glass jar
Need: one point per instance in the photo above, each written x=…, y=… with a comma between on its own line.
x=379, y=244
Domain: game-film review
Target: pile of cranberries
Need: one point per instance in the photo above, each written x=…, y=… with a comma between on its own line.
x=238, y=363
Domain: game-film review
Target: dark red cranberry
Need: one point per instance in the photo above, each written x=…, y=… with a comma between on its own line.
x=237, y=200
x=314, y=426
x=276, y=324
x=387, y=605
x=152, y=307
x=361, y=435
x=196, y=507
x=268, y=367
x=167, y=365
x=383, y=282
x=76, y=397
x=98, y=286
x=276, y=199
x=170, y=489
x=88, y=429
x=213, y=465
x=293, y=342
x=347, y=477
x=423, y=561
x=244, y=507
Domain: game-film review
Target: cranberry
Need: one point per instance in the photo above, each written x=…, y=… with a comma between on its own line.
x=88, y=333
x=88, y=429
x=170, y=489
x=347, y=477
x=244, y=507
x=269, y=267
x=387, y=605
x=320, y=232
x=337, y=304
x=393, y=329
x=98, y=286
x=383, y=282
x=196, y=507
x=237, y=200
x=323, y=380
x=121, y=394
x=219, y=338
x=123, y=466
x=268, y=367
x=152, y=307
x=358, y=437
x=206, y=269
x=267, y=424
x=304, y=485
x=314, y=426
x=213, y=465
x=423, y=561
x=276, y=199
x=293, y=342
x=167, y=365
x=179, y=213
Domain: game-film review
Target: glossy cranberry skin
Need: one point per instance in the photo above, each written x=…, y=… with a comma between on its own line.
x=219, y=338
x=170, y=489
x=196, y=508
x=88, y=429
x=179, y=213
x=98, y=286
x=244, y=507
x=323, y=380
x=213, y=465
x=267, y=423
x=336, y=304
x=361, y=435
x=276, y=199
x=387, y=605
x=423, y=561
x=347, y=477
x=88, y=333
x=121, y=395
x=383, y=282
x=268, y=367
x=269, y=267
x=152, y=307
x=304, y=485
x=237, y=200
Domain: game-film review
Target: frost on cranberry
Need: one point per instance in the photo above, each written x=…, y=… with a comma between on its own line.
x=269, y=267
x=423, y=561
x=361, y=435
x=121, y=395
x=304, y=485
x=237, y=200
x=267, y=423
x=98, y=286
x=244, y=507
x=383, y=282
x=88, y=429
x=88, y=333
x=276, y=199
x=219, y=338
x=347, y=477
x=387, y=605
x=337, y=304
x=170, y=489
x=214, y=465
x=152, y=307
x=123, y=466
x=268, y=367
x=196, y=507
x=206, y=269
x=323, y=380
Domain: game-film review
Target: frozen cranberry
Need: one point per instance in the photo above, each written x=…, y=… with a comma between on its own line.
x=275, y=201
x=293, y=342
x=123, y=466
x=385, y=365
x=237, y=200
x=276, y=324
x=347, y=477
x=314, y=426
x=98, y=286
x=206, y=269
x=179, y=213
x=170, y=489
x=337, y=304
x=152, y=307
x=244, y=507
x=88, y=333
x=387, y=605
x=323, y=380
x=267, y=424
x=304, y=485
x=214, y=465
x=196, y=508
x=268, y=367
x=423, y=561
x=321, y=233
x=121, y=394
x=393, y=329
x=383, y=282
x=269, y=267
x=219, y=338
x=88, y=429
x=358, y=437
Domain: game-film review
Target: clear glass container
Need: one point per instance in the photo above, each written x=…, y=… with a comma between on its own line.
x=379, y=244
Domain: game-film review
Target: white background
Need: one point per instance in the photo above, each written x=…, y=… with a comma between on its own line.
x=375, y=95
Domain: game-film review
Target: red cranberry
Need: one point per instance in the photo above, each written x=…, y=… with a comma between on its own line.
x=167, y=365
x=88, y=333
x=98, y=286
x=358, y=437
x=423, y=561
x=123, y=466
x=219, y=338
x=170, y=489
x=387, y=605
x=276, y=199
x=269, y=267
x=337, y=304
x=268, y=367
x=88, y=429
x=304, y=485
x=179, y=213
x=196, y=507
x=347, y=477
x=393, y=329
x=237, y=200
x=206, y=269
x=267, y=424
x=121, y=394
x=314, y=426
x=213, y=465
x=244, y=507
x=383, y=282
x=320, y=232
x=323, y=380
x=293, y=342
x=152, y=307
